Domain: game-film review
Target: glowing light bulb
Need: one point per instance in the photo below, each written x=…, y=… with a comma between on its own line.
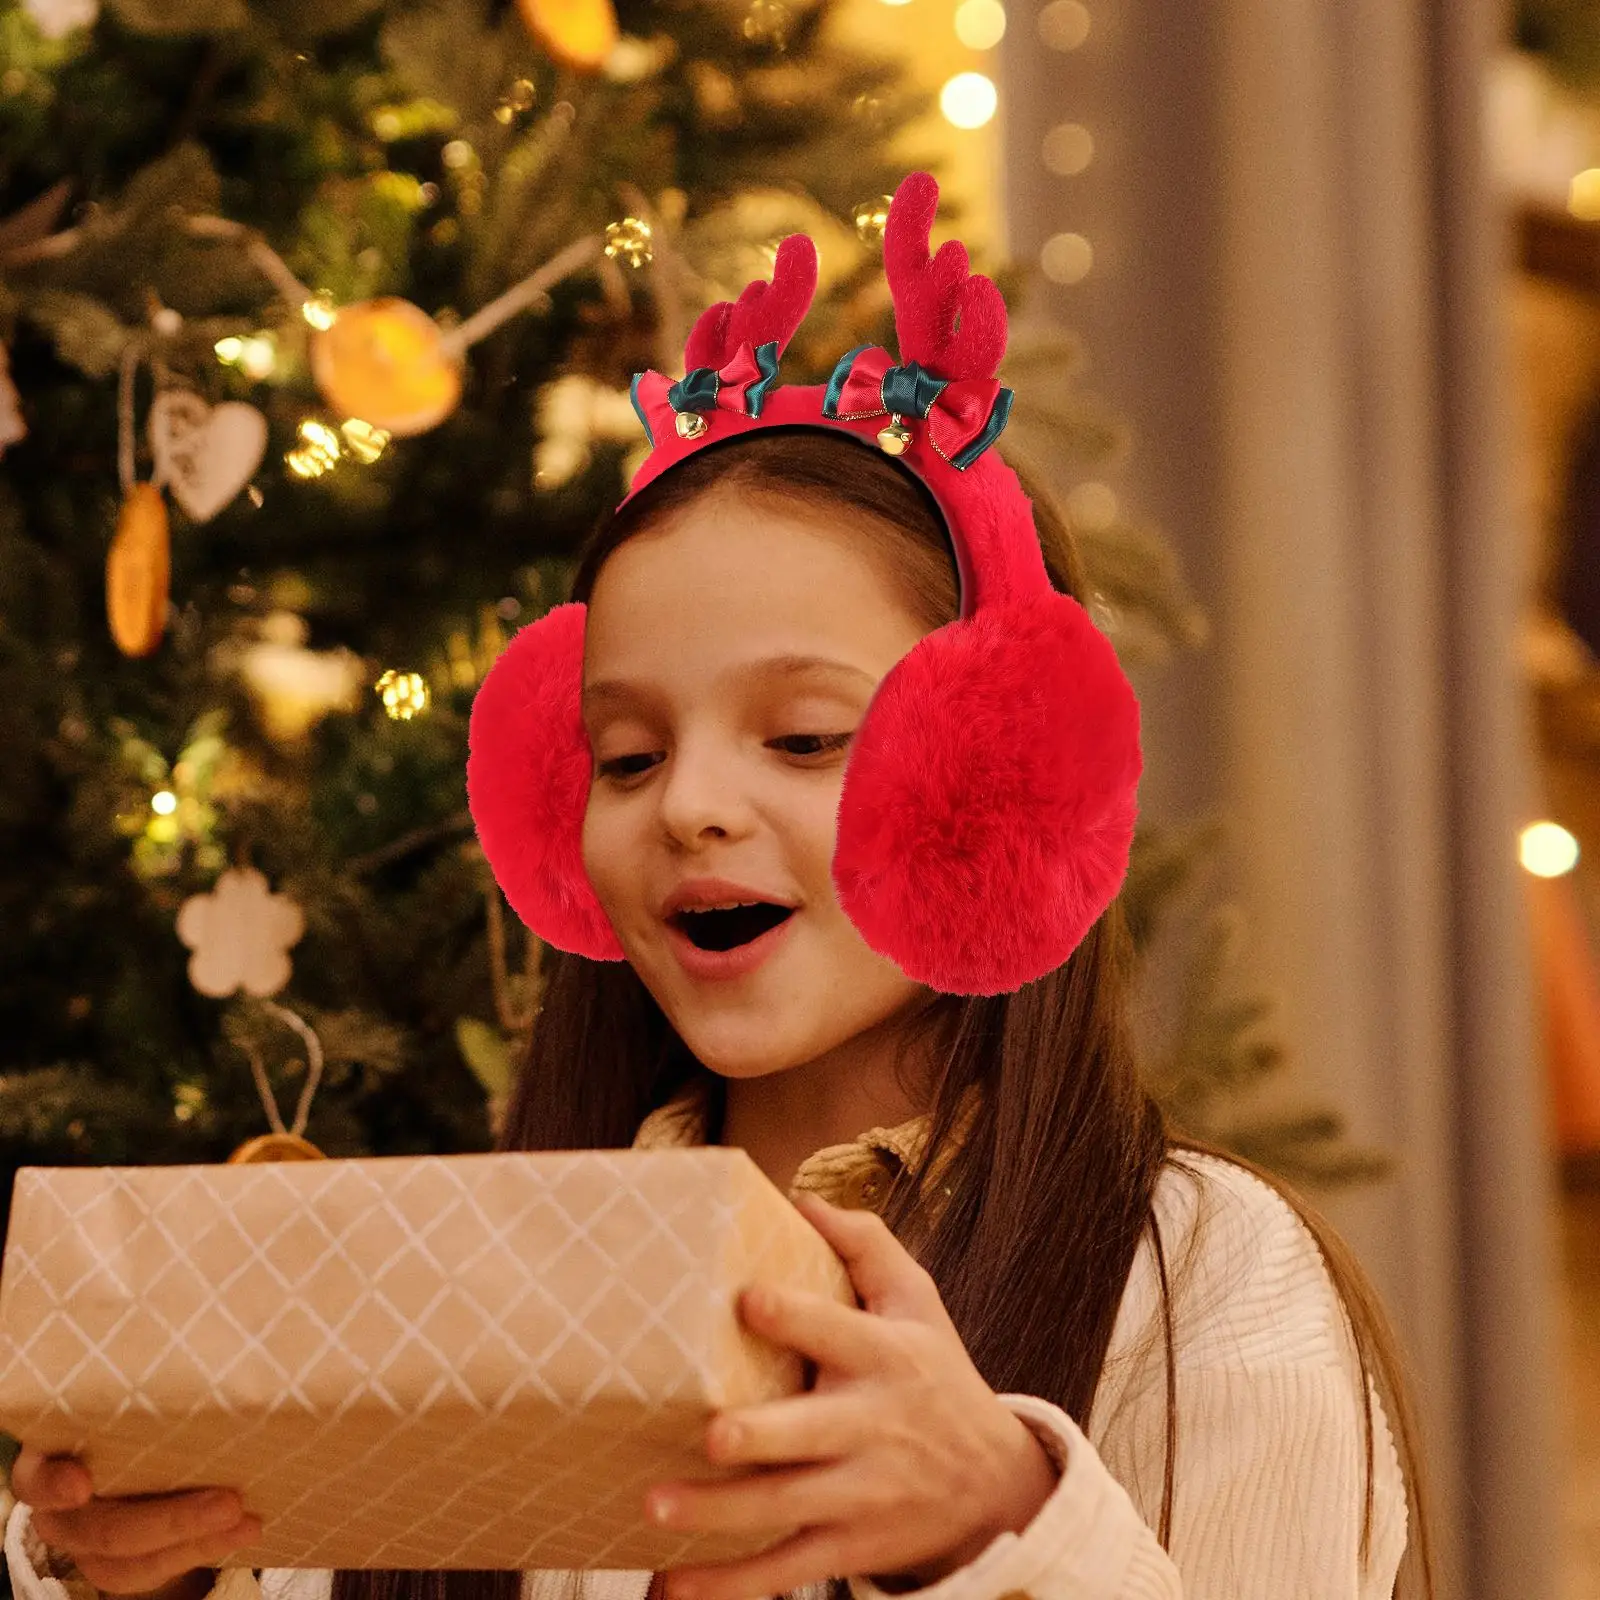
x=1064, y=24
x=1068, y=149
x=164, y=802
x=968, y=100
x=257, y=356
x=1093, y=505
x=1584, y=199
x=1066, y=258
x=319, y=310
x=1548, y=850
x=980, y=24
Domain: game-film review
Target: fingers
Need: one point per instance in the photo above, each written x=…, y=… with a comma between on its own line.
x=835, y=1336
x=126, y=1545
x=129, y=1529
x=806, y=1495
x=143, y=1573
x=886, y=1276
x=806, y=1428
x=50, y=1483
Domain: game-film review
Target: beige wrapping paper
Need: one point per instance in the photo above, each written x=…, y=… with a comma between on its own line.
x=412, y=1361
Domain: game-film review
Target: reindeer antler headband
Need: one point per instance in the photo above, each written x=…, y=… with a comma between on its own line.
x=988, y=803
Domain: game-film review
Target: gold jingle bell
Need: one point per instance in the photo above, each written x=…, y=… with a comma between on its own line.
x=896, y=438
x=690, y=424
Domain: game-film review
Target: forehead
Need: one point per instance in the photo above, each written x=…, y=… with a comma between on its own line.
x=732, y=579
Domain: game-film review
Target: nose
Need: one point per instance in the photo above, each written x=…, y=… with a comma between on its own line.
x=701, y=795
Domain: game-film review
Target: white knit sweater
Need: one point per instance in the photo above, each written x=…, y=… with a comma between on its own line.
x=1270, y=1453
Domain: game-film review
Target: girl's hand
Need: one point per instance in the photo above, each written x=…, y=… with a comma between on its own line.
x=130, y=1546
x=901, y=1461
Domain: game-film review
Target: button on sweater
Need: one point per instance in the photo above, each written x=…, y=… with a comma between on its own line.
x=1269, y=1483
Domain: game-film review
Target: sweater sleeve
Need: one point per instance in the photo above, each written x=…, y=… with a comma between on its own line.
x=1269, y=1481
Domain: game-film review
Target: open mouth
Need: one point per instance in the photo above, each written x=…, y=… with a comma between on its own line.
x=727, y=930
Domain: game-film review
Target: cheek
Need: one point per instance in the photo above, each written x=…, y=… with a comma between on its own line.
x=603, y=850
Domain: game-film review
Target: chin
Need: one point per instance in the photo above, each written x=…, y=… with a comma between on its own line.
x=739, y=1058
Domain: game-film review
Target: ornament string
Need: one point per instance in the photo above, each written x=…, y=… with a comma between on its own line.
x=511, y=1020
x=132, y=352
x=262, y=256
x=313, y=1073
x=580, y=253
x=671, y=276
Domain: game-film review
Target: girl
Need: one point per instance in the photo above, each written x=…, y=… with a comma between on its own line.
x=1093, y=1361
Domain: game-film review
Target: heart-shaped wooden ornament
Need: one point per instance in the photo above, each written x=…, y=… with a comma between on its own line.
x=204, y=454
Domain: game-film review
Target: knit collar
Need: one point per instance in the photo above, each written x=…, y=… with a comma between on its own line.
x=856, y=1175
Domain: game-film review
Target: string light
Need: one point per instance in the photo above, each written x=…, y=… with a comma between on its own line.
x=980, y=24
x=318, y=451
x=1065, y=24
x=1548, y=850
x=1584, y=199
x=363, y=441
x=1068, y=149
x=255, y=356
x=968, y=100
x=164, y=802
x=319, y=310
x=1093, y=506
x=1066, y=258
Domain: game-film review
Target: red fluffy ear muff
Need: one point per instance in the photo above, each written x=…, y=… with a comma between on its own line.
x=528, y=772
x=988, y=805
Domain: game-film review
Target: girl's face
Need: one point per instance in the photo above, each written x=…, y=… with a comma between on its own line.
x=712, y=761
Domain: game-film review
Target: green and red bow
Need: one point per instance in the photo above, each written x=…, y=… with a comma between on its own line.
x=739, y=385
x=964, y=415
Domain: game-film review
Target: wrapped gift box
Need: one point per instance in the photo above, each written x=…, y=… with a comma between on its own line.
x=431, y=1361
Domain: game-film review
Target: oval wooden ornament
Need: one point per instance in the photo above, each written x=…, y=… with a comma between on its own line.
x=383, y=361
x=276, y=1147
x=139, y=571
x=578, y=33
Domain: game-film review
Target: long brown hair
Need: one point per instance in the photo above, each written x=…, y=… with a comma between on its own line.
x=1031, y=1252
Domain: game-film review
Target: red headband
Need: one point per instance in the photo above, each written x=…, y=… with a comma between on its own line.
x=989, y=799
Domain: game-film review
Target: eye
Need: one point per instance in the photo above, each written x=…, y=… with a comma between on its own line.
x=619, y=768
x=828, y=742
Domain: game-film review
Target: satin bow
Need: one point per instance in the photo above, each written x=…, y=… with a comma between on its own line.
x=741, y=385
x=964, y=415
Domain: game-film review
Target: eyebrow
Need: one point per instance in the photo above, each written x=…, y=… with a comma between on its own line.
x=782, y=666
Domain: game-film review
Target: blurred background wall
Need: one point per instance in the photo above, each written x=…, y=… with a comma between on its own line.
x=1292, y=287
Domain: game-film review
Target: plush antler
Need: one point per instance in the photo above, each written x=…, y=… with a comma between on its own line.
x=764, y=312
x=949, y=321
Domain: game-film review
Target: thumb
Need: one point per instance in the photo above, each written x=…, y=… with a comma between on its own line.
x=50, y=1483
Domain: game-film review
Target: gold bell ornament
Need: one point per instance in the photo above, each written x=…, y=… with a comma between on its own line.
x=896, y=438
x=690, y=424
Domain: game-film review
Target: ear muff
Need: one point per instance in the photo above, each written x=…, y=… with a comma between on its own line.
x=989, y=802
x=528, y=771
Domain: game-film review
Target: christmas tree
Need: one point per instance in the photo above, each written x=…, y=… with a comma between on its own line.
x=320, y=321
